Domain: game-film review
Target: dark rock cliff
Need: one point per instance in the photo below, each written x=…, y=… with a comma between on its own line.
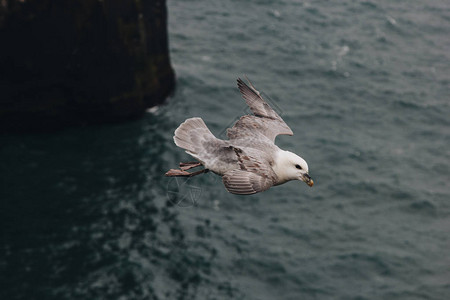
x=81, y=61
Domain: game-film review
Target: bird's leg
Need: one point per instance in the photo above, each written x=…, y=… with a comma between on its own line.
x=177, y=173
x=182, y=173
x=189, y=165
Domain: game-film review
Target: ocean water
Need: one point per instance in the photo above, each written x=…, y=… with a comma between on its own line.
x=86, y=213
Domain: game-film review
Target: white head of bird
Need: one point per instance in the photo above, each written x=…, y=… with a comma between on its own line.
x=290, y=166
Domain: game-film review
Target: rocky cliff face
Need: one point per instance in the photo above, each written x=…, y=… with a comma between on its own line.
x=81, y=61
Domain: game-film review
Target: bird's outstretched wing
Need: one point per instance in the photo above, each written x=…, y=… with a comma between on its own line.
x=254, y=175
x=245, y=183
x=265, y=120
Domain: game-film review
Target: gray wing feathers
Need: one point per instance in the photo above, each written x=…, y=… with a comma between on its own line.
x=255, y=174
x=245, y=183
x=252, y=126
x=254, y=100
x=265, y=120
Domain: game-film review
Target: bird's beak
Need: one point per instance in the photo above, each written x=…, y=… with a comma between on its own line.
x=308, y=180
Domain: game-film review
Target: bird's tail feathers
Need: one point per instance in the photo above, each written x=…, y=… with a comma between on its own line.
x=191, y=135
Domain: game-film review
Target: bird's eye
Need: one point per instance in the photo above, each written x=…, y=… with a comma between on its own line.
x=298, y=167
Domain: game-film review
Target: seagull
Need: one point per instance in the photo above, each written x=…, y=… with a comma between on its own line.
x=249, y=161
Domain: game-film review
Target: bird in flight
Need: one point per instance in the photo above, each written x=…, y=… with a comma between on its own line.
x=249, y=161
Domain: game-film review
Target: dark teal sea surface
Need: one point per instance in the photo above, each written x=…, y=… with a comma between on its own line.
x=86, y=213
